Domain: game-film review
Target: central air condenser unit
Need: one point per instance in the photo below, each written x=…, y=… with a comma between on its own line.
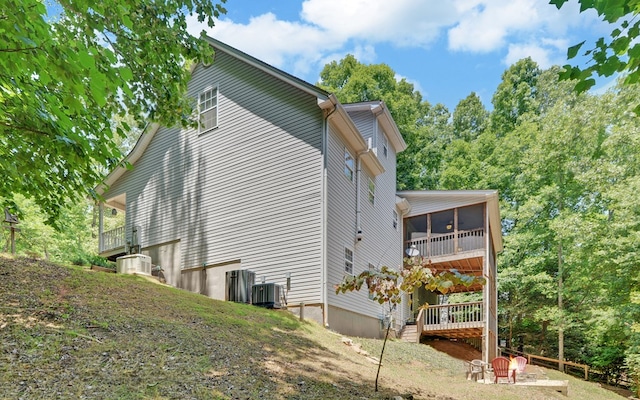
x=134, y=264
x=238, y=285
x=267, y=295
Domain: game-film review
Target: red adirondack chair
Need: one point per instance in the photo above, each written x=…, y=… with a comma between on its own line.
x=501, y=369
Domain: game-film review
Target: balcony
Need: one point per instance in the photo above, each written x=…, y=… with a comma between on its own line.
x=112, y=242
x=446, y=244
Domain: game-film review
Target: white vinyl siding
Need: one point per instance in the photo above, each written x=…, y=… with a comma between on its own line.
x=251, y=193
x=395, y=220
x=381, y=244
x=208, y=110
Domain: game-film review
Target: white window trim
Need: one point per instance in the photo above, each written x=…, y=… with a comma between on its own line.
x=201, y=111
x=348, y=169
x=371, y=188
x=348, y=261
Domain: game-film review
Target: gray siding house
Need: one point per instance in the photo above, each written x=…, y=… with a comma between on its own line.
x=279, y=178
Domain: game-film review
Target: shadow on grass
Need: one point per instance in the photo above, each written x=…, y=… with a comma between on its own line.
x=71, y=333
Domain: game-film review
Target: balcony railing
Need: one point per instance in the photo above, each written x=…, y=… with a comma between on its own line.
x=442, y=244
x=112, y=239
x=453, y=316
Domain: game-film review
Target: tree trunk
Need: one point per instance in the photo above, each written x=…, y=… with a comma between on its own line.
x=560, y=309
x=384, y=343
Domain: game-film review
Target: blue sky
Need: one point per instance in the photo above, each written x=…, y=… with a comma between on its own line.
x=447, y=49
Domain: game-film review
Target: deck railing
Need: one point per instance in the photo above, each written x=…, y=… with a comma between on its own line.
x=442, y=244
x=453, y=316
x=112, y=239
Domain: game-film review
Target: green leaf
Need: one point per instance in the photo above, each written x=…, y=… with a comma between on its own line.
x=573, y=50
x=86, y=60
x=557, y=3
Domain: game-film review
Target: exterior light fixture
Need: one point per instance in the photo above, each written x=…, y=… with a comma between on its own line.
x=412, y=251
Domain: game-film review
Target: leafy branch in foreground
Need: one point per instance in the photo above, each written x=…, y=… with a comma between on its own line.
x=616, y=54
x=388, y=285
x=63, y=78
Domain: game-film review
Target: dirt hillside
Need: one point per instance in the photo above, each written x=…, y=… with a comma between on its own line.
x=459, y=350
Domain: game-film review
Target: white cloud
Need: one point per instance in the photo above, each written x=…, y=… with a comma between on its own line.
x=271, y=40
x=485, y=25
x=537, y=53
x=546, y=52
x=401, y=22
x=489, y=25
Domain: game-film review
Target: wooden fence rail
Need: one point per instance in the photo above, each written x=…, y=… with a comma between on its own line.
x=548, y=362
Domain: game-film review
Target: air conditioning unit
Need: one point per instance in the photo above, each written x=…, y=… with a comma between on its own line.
x=134, y=264
x=238, y=285
x=266, y=295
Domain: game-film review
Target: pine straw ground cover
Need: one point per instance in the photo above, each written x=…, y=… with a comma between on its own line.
x=72, y=333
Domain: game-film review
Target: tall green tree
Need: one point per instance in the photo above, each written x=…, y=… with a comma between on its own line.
x=64, y=77
x=470, y=118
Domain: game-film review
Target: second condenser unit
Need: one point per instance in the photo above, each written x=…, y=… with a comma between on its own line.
x=238, y=284
x=267, y=295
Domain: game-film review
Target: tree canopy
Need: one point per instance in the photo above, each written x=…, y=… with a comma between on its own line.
x=63, y=77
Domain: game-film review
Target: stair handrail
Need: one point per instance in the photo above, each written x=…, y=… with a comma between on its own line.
x=419, y=324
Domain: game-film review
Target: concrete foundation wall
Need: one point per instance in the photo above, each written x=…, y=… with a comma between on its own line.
x=311, y=312
x=209, y=280
x=353, y=324
x=168, y=256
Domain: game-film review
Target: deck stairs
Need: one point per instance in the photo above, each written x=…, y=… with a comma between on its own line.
x=409, y=334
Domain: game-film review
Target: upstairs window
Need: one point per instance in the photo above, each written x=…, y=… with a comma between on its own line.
x=372, y=192
x=395, y=220
x=348, y=261
x=385, y=145
x=348, y=165
x=208, y=110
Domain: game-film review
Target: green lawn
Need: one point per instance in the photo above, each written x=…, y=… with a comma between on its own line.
x=72, y=333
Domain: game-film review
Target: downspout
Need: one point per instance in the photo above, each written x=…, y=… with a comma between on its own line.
x=489, y=289
x=358, y=208
x=323, y=252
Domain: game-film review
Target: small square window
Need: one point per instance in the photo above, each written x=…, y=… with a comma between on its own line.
x=208, y=110
x=348, y=261
x=372, y=192
x=348, y=165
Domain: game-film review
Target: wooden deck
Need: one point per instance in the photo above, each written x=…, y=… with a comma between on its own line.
x=453, y=321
